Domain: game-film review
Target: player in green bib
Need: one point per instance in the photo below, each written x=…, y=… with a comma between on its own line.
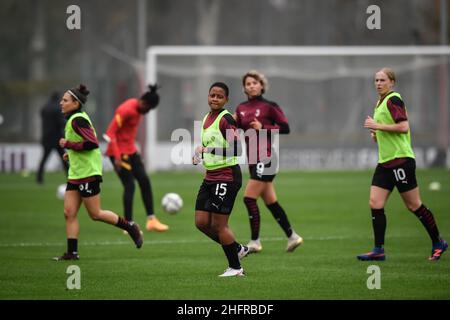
x=219, y=151
x=396, y=167
x=85, y=173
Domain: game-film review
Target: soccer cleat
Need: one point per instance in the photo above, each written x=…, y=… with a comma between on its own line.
x=293, y=242
x=376, y=254
x=230, y=272
x=243, y=252
x=67, y=256
x=438, y=250
x=125, y=232
x=153, y=224
x=135, y=234
x=254, y=246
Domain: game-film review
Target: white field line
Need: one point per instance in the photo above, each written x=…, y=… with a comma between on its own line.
x=168, y=242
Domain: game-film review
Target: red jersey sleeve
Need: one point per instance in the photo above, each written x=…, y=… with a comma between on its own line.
x=229, y=131
x=280, y=121
x=238, y=117
x=82, y=127
x=228, y=128
x=397, y=109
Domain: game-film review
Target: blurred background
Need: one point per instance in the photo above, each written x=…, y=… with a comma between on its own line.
x=326, y=98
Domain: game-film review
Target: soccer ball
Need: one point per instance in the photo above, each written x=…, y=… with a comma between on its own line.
x=434, y=186
x=172, y=203
x=60, y=191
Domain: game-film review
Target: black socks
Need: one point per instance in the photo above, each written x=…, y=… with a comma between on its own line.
x=232, y=256
x=72, y=246
x=426, y=217
x=281, y=217
x=253, y=215
x=379, y=226
x=123, y=224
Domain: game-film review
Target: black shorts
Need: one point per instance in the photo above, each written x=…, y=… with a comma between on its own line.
x=219, y=196
x=263, y=172
x=403, y=176
x=86, y=189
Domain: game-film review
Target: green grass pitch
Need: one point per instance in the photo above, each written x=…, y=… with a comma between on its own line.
x=329, y=209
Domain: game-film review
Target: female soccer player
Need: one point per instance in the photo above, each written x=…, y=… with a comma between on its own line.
x=121, y=135
x=253, y=115
x=85, y=173
x=396, y=167
x=215, y=199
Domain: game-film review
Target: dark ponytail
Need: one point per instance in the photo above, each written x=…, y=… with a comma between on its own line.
x=151, y=97
x=79, y=93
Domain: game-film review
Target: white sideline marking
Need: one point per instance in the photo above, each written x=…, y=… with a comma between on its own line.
x=160, y=242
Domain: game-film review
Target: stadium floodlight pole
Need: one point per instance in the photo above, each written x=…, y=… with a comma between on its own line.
x=141, y=28
x=444, y=22
x=137, y=64
x=141, y=6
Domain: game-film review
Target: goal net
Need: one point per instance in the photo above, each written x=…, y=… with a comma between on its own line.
x=325, y=92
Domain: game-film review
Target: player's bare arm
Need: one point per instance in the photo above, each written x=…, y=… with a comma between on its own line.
x=401, y=127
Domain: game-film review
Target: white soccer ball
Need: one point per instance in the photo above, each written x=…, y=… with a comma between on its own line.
x=60, y=191
x=434, y=186
x=172, y=203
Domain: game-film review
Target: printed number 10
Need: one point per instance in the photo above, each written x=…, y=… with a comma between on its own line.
x=399, y=174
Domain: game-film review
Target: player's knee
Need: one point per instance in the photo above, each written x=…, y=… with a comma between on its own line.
x=69, y=213
x=217, y=227
x=201, y=225
x=413, y=205
x=94, y=215
x=375, y=203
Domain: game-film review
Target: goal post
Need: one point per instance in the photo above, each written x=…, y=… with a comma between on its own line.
x=316, y=86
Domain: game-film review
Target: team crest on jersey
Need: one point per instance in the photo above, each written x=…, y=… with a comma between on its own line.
x=243, y=113
x=257, y=113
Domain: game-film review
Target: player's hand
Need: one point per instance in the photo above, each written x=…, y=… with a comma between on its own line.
x=373, y=134
x=118, y=164
x=370, y=123
x=66, y=156
x=197, y=158
x=62, y=142
x=199, y=150
x=255, y=124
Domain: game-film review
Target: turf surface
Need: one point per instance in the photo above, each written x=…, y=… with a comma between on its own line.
x=329, y=209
